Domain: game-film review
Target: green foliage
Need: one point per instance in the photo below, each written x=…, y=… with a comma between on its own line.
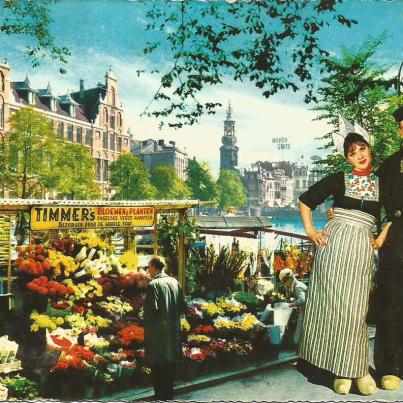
x=130, y=178
x=168, y=184
x=29, y=154
x=231, y=190
x=273, y=44
x=195, y=265
x=77, y=173
x=169, y=229
x=32, y=19
x=356, y=89
x=222, y=270
x=247, y=299
x=20, y=387
x=200, y=181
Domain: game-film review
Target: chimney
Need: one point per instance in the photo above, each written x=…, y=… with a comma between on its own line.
x=81, y=89
x=172, y=143
x=161, y=143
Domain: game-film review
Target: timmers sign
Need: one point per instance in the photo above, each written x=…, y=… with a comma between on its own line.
x=68, y=217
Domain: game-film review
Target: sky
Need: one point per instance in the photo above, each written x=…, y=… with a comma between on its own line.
x=111, y=33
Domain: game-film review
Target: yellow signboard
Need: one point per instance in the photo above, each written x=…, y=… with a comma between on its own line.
x=68, y=217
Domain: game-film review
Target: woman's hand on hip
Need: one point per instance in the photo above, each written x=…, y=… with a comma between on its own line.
x=319, y=238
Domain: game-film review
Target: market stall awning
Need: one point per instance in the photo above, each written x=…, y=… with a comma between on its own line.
x=247, y=227
x=7, y=205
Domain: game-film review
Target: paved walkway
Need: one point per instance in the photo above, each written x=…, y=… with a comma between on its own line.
x=280, y=384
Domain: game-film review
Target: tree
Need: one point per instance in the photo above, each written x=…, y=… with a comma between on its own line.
x=130, y=178
x=29, y=155
x=200, y=181
x=231, y=190
x=273, y=44
x=77, y=173
x=356, y=89
x=168, y=184
x=32, y=19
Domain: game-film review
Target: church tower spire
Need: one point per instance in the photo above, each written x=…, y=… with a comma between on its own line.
x=229, y=149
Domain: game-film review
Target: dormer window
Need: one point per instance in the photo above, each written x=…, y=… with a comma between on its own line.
x=31, y=98
x=72, y=111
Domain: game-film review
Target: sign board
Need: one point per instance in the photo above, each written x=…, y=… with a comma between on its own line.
x=5, y=227
x=68, y=217
x=282, y=143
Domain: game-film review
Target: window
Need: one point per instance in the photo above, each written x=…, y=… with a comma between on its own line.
x=113, y=96
x=119, y=144
x=70, y=133
x=60, y=129
x=1, y=111
x=106, y=116
x=2, y=82
x=105, y=173
x=79, y=135
x=105, y=140
x=88, y=137
x=119, y=120
x=112, y=121
x=112, y=144
x=98, y=170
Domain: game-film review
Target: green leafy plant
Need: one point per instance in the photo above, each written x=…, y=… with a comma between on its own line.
x=20, y=387
x=247, y=299
x=223, y=270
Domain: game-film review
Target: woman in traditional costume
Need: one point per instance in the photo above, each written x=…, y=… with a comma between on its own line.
x=334, y=335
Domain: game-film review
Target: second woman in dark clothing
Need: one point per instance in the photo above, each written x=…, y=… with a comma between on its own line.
x=334, y=335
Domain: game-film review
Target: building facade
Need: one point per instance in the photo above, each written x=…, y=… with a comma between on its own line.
x=92, y=117
x=153, y=153
x=229, y=150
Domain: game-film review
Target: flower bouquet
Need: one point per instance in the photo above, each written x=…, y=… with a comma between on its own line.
x=230, y=306
x=198, y=339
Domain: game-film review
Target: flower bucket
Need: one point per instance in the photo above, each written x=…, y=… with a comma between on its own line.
x=275, y=335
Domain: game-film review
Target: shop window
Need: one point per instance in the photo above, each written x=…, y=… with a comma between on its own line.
x=88, y=137
x=79, y=135
x=70, y=133
x=105, y=140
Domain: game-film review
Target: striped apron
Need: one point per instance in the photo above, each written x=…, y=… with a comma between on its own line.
x=334, y=333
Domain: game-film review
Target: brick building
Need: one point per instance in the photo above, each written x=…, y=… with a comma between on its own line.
x=93, y=117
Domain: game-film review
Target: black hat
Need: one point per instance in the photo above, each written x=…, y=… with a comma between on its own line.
x=398, y=114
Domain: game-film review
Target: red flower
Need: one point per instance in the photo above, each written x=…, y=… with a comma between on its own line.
x=130, y=334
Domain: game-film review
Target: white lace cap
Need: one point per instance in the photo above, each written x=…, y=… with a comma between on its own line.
x=346, y=127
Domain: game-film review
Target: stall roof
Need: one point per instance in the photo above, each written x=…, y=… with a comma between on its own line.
x=8, y=205
x=222, y=222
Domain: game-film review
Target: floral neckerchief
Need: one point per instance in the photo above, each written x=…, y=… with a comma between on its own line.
x=365, y=187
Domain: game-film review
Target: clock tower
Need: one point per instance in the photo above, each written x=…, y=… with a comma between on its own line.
x=229, y=149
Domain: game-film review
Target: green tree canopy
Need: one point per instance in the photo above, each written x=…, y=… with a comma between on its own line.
x=77, y=173
x=168, y=184
x=32, y=19
x=356, y=89
x=29, y=155
x=231, y=190
x=201, y=181
x=130, y=179
x=273, y=44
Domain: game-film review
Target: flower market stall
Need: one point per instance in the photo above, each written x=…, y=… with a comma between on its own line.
x=72, y=297
x=72, y=294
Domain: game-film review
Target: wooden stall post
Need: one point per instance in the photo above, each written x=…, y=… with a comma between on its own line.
x=155, y=233
x=181, y=252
